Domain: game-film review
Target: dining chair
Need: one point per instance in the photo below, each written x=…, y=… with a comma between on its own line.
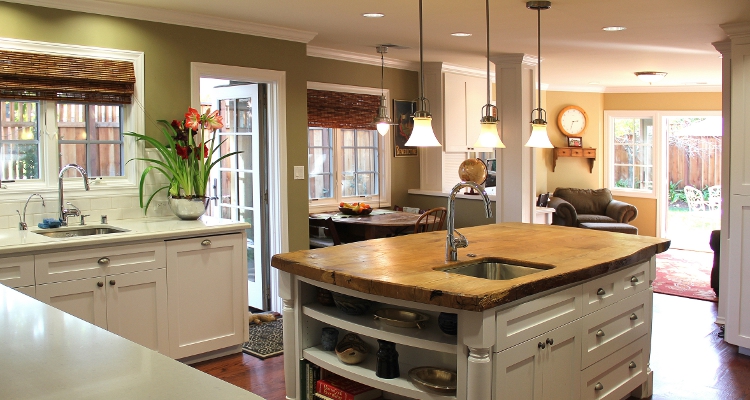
x=431, y=220
x=694, y=198
x=714, y=197
x=331, y=237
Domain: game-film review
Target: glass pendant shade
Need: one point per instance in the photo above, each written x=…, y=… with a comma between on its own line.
x=488, y=136
x=539, y=137
x=422, y=135
x=383, y=128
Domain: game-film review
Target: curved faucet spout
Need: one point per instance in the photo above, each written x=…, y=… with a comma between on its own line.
x=452, y=243
x=64, y=212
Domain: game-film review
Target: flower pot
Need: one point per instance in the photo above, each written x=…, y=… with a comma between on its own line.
x=188, y=209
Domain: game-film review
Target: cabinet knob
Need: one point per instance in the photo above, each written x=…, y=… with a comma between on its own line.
x=112, y=282
x=541, y=345
x=206, y=243
x=100, y=284
x=550, y=341
x=631, y=365
x=634, y=280
x=600, y=333
x=103, y=261
x=633, y=317
x=598, y=386
x=601, y=292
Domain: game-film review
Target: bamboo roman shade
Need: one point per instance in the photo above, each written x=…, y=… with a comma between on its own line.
x=341, y=109
x=51, y=77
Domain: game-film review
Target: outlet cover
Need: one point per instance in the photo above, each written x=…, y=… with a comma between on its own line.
x=299, y=172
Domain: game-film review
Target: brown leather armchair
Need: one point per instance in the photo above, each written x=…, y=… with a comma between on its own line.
x=576, y=206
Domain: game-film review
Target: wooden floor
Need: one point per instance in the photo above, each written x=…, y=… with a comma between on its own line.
x=689, y=361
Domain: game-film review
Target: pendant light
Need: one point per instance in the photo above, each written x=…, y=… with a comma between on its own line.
x=488, y=135
x=382, y=121
x=422, y=134
x=539, y=136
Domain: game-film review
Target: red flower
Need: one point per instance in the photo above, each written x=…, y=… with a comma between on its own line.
x=192, y=119
x=182, y=151
x=212, y=120
x=205, y=149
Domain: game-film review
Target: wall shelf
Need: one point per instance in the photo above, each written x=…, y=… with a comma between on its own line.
x=587, y=152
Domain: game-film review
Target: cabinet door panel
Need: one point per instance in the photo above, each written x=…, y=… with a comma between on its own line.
x=207, y=310
x=518, y=371
x=83, y=298
x=27, y=290
x=562, y=368
x=476, y=97
x=137, y=308
x=17, y=271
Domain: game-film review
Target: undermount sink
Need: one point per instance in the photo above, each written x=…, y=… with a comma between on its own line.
x=495, y=270
x=76, y=231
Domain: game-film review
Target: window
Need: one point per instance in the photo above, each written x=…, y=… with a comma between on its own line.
x=633, y=150
x=91, y=136
x=19, y=140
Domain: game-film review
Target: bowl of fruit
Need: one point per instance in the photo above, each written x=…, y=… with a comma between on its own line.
x=355, y=208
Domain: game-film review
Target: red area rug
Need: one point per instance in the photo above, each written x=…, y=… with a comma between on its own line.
x=685, y=273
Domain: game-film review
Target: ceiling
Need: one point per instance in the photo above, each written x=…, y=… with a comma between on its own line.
x=662, y=35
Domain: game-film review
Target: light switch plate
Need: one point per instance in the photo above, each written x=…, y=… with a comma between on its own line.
x=299, y=172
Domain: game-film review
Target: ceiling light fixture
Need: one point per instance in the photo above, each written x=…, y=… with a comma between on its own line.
x=373, y=15
x=488, y=134
x=422, y=134
x=613, y=28
x=539, y=136
x=461, y=34
x=650, y=76
x=382, y=121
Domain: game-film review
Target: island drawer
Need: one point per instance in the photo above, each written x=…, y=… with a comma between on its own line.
x=89, y=263
x=618, y=374
x=610, y=329
x=526, y=320
x=17, y=271
x=611, y=288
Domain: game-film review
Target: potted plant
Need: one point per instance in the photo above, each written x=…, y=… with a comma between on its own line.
x=186, y=161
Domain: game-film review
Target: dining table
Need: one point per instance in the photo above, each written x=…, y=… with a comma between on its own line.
x=378, y=224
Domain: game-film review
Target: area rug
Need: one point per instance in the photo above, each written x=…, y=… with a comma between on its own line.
x=266, y=340
x=685, y=273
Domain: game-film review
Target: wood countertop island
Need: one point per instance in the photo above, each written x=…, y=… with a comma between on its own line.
x=410, y=267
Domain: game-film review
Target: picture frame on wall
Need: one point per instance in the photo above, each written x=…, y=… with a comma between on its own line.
x=402, y=118
x=575, y=142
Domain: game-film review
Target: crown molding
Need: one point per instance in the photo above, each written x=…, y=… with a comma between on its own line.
x=575, y=88
x=349, y=56
x=175, y=18
x=664, y=89
x=736, y=29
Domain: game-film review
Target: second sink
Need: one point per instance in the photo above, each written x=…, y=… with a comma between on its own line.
x=78, y=231
x=495, y=270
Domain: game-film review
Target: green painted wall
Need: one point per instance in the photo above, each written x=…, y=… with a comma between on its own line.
x=169, y=50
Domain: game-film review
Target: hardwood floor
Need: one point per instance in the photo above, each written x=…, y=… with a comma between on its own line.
x=689, y=360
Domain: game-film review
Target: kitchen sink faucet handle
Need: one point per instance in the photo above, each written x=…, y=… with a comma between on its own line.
x=104, y=219
x=83, y=216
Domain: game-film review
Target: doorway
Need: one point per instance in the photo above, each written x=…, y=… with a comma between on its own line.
x=250, y=187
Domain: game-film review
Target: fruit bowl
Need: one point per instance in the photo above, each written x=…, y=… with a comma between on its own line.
x=350, y=211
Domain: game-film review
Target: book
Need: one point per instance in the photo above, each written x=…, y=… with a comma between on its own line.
x=340, y=388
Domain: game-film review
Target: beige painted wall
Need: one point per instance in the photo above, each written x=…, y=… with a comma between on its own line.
x=169, y=50
x=695, y=101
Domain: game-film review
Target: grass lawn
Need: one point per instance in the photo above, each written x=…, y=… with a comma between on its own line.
x=691, y=230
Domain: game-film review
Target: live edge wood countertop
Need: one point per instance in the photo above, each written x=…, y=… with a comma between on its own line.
x=410, y=267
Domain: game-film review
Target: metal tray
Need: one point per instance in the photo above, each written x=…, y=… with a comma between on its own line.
x=401, y=318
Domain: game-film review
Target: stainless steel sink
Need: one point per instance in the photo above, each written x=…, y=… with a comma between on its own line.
x=76, y=231
x=496, y=270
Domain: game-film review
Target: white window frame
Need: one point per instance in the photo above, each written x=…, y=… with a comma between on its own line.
x=609, y=156
x=383, y=199
x=133, y=120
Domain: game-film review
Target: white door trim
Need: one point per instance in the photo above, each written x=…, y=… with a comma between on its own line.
x=278, y=238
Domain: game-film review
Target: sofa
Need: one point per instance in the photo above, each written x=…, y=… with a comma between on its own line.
x=574, y=207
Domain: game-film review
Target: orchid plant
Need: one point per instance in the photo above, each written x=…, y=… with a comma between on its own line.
x=187, y=158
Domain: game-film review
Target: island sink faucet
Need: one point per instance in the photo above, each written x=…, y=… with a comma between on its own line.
x=453, y=243
x=64, y=212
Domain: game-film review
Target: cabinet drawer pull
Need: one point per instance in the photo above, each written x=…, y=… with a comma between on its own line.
x=100, y=284
x=112, y=282
x=550, y=341
x=541, y=345
x=600, y=333
x=206, y=243
x=601, y=292
x=634, y=280
x=598, y=386
x=103, y=261
x=631, y=365
x=633, y=317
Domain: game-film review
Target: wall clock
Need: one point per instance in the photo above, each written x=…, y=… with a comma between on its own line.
x=572, y=121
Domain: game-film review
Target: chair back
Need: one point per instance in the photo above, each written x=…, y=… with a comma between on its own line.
x=329, y=228
x=714, y=197
x=694, y=199
x=431, y=220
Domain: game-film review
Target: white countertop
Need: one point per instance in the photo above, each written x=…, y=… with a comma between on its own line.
x=48, y=354
x=14, y=241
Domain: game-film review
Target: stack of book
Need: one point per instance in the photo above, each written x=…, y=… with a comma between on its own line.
x=319, y=384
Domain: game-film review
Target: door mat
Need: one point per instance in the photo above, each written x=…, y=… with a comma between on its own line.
x=266, y=340
x=685, y=273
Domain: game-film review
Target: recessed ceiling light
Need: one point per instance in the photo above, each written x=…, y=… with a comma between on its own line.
x=593, y=83
x=461, y=34
x=373, y=15
x=650, y=76
x=613, y=28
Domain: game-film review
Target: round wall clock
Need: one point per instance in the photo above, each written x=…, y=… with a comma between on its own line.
x=572, y=121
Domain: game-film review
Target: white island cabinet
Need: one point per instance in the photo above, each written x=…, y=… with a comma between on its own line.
x=589, y=340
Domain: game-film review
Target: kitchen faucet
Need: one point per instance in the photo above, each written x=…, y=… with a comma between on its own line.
x=22, y=226
x=64, y=212
x=453, y=243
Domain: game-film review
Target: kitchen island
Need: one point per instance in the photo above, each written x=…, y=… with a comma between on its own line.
x=579, y=327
